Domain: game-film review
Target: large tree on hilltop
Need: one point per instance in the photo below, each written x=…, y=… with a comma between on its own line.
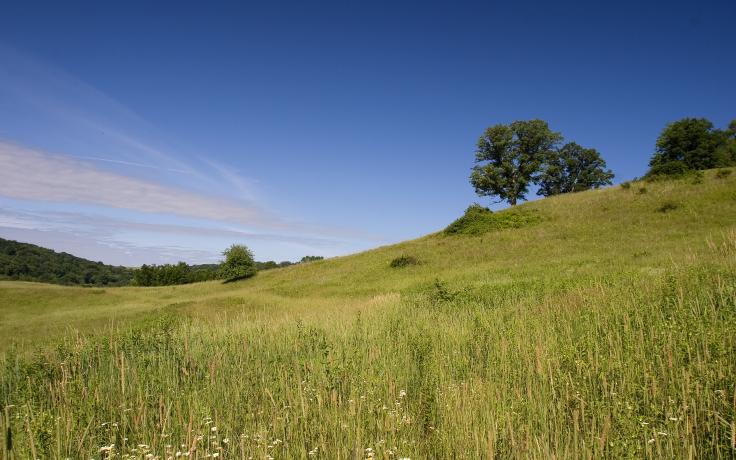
x=573, y=168
x=508, y=157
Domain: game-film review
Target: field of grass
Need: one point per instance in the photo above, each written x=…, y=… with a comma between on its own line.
x=606, y=327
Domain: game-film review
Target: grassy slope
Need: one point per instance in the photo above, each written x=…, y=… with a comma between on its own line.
x=586, y=235
x=592, y=332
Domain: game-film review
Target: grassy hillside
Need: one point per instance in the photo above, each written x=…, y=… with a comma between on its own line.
x=605, y=326
x=28, y=262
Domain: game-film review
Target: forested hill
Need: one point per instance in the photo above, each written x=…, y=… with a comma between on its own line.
x=28, y=262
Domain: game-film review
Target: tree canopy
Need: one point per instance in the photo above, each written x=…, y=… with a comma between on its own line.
x=693, y=144
x=169, y=274
x=238, y=263
x=28, y=262
x=573, y=168
x=508, y=157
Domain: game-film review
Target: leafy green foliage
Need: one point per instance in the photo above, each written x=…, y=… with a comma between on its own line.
x=403, y=261
x=508, y=157
x=28, y=262
x=238, y=263
x=573, y=168
x=670, y=169
x=272, y=264
x=169, y=274
x=692, y=144
x=269, y=265
x=440, y=293
x=478, y=220
x=698, y=177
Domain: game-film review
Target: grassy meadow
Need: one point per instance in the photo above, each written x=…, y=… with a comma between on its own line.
x=605, y=327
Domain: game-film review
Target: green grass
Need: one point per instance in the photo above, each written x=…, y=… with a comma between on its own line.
x=606, y=329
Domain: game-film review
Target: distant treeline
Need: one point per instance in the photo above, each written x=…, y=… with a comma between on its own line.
x=28, y=262
x=271, y=264
x=169, y=274
x=182, y=273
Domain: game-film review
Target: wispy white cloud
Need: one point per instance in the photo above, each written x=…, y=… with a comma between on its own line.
x=81, y=115
x=133, y=242
x=95, y=225
x=129, y=163
x=243, y=187
x=106, y=155
x=109, y=251
x=31, y=174
x=35, y=175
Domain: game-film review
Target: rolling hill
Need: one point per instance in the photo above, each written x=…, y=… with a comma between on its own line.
x=603, y=326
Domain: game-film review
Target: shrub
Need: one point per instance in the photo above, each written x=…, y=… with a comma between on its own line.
x=698, y=177
x=668, y=206
x=642, y=190
x=404, y=261
x=439, y=293
x=723, y=173
x=626, y=185
x=668, y=170
x=478, y=220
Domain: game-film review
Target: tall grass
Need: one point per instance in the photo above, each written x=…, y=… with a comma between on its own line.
x=434, y=363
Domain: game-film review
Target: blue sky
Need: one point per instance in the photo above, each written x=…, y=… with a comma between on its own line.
x=154, y=132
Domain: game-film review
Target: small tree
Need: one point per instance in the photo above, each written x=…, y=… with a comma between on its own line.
x=238, y=263
x=573, y=168
x=509, y=156
x=311, y=259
